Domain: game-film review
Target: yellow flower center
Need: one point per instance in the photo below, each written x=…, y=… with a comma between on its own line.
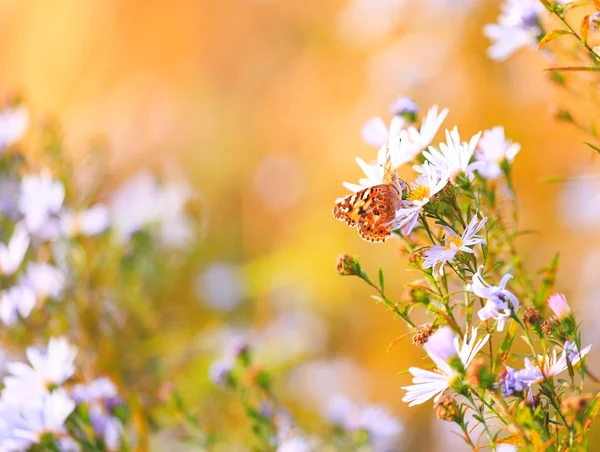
x=418, y=193
x=457, y=241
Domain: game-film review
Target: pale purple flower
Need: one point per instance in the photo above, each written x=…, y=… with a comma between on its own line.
x=53, y=366
x=40, y=200
x=511, y=381
x=438, y=255
x=219, y=371
x=499, y=301
x=558, y=304
x=99, y=389
x=45, y=414
x=404, y=105
x=107, y=427
x=428, y=384
x=494, y=148
x=44, y=279
x=17, y=301
x=12, y=254
x=88, y=222
x=13, y=124
x=375, y=132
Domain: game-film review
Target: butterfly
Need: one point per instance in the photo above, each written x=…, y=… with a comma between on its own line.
x=373, y=210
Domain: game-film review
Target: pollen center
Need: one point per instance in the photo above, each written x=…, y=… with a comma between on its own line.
x=419, y=193
x=457, y=241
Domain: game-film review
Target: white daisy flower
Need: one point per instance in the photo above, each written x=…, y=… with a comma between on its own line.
x=500, y=302
x=375, y=132
x=419, y=194
x=453, y=157
x=44, y=279
x=405, y=144
x=44, y=415
x=493, y=148
x=88, y=222
x=52, y=367
x=40, y=199
x=517, y=27
x=12, y=254
x=15, y=302
x=453, y=243
x=428, y=384
x=13, y=124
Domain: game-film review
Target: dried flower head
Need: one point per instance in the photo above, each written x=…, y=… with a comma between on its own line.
x=422, y=334
x=446, y=409
x=549, y=324
x=574, y=406
x=474, y=373
x=347, y=265
x=532, y=317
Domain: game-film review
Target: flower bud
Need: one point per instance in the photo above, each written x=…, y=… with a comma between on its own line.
x=446, y=409
x=479, y=376
x=406, y=107
x=532, y=317
x=347, y=265
x=422, y=334
x=574, y=407
x=220, y=373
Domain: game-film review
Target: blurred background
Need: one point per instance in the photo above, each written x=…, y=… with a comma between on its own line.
x=259, y=104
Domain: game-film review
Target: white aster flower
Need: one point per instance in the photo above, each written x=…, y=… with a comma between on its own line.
x=44, y=279
x=552, y=365
x=40, y=199
x=453, y=157
x=375, y=132
x=453, y=243
x=492, y=150
x=405, y=144
x=517, y=27
x=52, y=367
x=500, y=302
x=374, y=173
x=419, y=194
x=428, y=384
x=12, y=254
x=88, y=222
x=45, y=415
x=14, y=302
x=13, y=124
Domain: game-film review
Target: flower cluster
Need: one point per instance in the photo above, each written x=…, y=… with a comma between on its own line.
x=456, y=236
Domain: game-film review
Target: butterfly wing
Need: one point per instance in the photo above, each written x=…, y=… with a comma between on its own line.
x=371, y=210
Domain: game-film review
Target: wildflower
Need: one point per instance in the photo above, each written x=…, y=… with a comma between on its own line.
x=406, y=144
x=12, y=254
x=454, y=156
x=558, y=304
x=13, y=124
x=517, y=27
x=381, y=426
x=492, y=150
x=88, y=222
x=107, y=427
x=14, y=302
x=453, y=243
x=52, y=367
x=532, y=316
x=512, y=381
x=422, y=334
x=375, y=132
x=574, y=406
x=347, y=265
x=446, y=409
x=41, y=198
x=97, y=390
x=220, y=372
x=296, y=444
x=428, y=384
x=594, y=21
x=44, y=279
x=41, y=416
x=405, y=107
x=500, y=302
x=420, y=193
x=548, y=325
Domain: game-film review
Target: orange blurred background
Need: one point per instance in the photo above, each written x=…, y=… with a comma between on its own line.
x=261, y=102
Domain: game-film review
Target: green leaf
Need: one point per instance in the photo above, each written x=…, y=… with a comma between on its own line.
x=551, y=35
x=574, y=68
x=548, y=281
x=595, y=148
x=381, y=279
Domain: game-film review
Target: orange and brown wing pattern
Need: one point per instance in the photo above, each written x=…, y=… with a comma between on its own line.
x=371, y=210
